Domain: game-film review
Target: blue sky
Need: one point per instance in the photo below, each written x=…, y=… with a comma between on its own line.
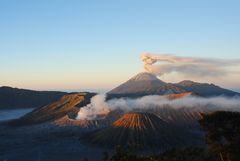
x=93, y=44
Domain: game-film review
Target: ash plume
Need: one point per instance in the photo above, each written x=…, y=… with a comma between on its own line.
x=99, y=106
x=161, y=64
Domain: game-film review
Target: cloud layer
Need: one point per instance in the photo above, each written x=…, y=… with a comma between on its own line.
x=99, y=106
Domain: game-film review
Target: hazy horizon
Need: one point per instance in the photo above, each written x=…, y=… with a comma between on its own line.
x=97, y=90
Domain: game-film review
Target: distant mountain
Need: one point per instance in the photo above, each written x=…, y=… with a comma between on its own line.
x=68, y=105
x=204, y=89
x=141, y=83
x=144, y=84
x=23, y=98
x=148, y=84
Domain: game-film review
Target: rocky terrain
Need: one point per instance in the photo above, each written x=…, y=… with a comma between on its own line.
x=143, y=130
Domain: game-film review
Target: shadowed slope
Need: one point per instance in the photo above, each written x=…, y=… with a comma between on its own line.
x=205, y=89
x=104, y=121
x=140, y=129
x=23, y=98
x=148, y=84
x=66, y=121
x=143, y=84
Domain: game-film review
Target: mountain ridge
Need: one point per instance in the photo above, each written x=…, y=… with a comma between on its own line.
x=67, y=105
x=205, y=89
x=148, y=84
x=25, y=98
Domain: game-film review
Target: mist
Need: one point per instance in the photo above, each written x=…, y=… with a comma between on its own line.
x=99, y=106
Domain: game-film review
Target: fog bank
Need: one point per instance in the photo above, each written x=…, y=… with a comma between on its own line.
x=99, y=105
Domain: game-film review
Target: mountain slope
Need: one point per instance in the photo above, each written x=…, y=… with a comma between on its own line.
x=23, y=98
x=148, y=84
x=144, y=84
x=67, y=105
x=204, y=89
x=66, y=121
x=141, y=129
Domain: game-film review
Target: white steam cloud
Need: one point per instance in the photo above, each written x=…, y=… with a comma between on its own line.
x=99, y=106
x=161, y=64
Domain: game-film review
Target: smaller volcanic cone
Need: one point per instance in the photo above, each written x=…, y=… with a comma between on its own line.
x=136, y=128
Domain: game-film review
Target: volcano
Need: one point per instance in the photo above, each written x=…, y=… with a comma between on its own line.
x=144, y=84
x=139, y=129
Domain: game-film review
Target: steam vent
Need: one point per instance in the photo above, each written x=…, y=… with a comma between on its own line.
x=139, y=129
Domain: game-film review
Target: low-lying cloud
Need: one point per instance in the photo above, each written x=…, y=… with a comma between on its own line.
x=99, y=106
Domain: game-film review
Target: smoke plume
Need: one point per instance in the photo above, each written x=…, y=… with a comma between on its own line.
x=99, y=106
x=161, y=64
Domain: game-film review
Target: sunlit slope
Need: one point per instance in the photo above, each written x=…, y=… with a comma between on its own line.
x=66, y=105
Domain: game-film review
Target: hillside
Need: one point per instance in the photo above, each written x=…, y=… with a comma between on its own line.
x=144, y=130
x=141, y=83
x=148, y=84
x=144, y=84
x=23, y=98
x=67, y=105
x=204, y=89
